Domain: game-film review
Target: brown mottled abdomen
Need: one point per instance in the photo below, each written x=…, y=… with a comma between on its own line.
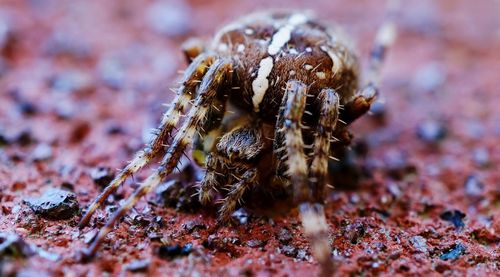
x=268, y=49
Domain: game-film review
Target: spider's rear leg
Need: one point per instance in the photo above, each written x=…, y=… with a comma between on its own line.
x=210, y=88
x=311, y=213
x=328, y=103
x=191, y=80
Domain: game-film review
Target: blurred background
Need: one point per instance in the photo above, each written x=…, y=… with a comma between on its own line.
x=82, y=84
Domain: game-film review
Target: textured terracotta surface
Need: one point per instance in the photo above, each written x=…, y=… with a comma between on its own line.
x=81, y=85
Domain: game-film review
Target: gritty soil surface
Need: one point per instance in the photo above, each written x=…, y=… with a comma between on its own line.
x=81, y=86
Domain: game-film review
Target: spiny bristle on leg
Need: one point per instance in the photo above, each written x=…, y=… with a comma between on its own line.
x=235, y=194
x=329, y=110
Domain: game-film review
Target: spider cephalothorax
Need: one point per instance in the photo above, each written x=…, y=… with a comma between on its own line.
x=271, y=98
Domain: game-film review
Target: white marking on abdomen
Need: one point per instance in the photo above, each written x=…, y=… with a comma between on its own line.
x=261, y=83
x=283, y=35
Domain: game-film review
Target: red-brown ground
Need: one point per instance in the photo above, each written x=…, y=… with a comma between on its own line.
x=82, y=82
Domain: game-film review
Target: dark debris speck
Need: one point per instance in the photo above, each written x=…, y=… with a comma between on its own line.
x=453, y=253
x=456, y=217
x=12, y=245
x=174, y=251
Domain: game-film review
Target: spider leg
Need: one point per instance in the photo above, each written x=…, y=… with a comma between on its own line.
x=211, y=86
x=191, y=79
x=328, y=101
x=312, y=214
x=213, y=178
x=369, y=93
x=192, y=48
x=236, y=194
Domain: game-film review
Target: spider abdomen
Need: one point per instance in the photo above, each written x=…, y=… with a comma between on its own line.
x=269, y=49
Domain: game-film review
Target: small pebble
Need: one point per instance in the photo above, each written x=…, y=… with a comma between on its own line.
x=174, y=251
x=25, y=138
x=431, y=131
x=138, y=265
x=112, y=72
x=42, y=152
x=289, y=250
x=102, y=176
x=419, y=243
x=241, y=216
x=254, y=243
x=429, y=78
x=456, y=217
x=27, y=108
x=12, y=245
x=473, y=186
x=63, y=44
x=71, y=82
x=285, y=235
x=192, y=225
x=453, y=253
x=170, y=19
x=481, y=157
x=54, y=204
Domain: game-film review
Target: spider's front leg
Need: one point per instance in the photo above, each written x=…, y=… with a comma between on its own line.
x=368, y=94
x=211, y=87
x=295, y=160
x=191, y=79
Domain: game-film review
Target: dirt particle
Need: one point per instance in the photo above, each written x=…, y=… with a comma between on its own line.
x=419, y=243
x=431, y=131
x=481, y=157
x=54, y=204
x=192, y=225
x=473, y=186
x=42, y=152
x=138, y=265
x=456, y=217
x=80, y=131
x=285, y=236
x=241, y=216
x=255, y=243
x=170, y=19
x=289, y=250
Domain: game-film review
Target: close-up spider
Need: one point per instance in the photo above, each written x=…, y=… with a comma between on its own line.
x=249, y=138
x=294, y=82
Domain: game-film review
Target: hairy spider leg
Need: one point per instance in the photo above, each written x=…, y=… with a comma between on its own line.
x=369, y=93
x=211, y=86
x=212, y=179
x=312, y=214
x=191, y=80
x=235, y=195
x=328, y=102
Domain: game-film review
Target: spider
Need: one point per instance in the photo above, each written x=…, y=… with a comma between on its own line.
x=271, y=99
